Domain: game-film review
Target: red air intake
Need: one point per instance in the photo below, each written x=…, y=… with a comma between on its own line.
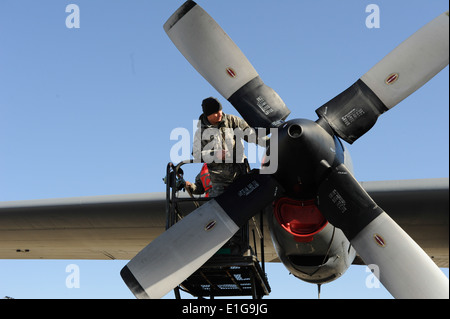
x=302, y=219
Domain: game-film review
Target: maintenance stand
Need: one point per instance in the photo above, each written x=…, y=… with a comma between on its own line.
x=235, y=269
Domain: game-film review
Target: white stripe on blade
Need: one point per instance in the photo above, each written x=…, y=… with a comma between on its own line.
x=210, y=50
x=412, y=63
x=182, y=249
x=405, y=270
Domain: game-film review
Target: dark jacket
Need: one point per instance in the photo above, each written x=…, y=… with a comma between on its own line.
x=228, y=135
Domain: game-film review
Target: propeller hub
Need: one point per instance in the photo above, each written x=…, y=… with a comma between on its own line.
x=302, y=144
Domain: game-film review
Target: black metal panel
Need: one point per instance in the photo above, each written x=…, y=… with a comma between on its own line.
x=259, y=104
x=228, y=276
x=353, y=112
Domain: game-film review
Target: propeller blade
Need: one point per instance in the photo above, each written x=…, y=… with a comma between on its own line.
x=186, y=246
x=409, y=66
x=219, y=60
x=405, y=270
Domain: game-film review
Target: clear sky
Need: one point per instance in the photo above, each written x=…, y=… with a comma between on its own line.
x=89, y=110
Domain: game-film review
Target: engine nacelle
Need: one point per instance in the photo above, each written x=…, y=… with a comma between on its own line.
x=309, y=247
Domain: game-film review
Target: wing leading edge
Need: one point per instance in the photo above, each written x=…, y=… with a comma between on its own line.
x=421, y=208
x=119, y=226
x=97, y=227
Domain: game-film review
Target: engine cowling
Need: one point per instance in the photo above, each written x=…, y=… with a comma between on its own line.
x=309, y=247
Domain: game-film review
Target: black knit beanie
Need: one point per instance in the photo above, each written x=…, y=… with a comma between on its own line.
x=211, y=105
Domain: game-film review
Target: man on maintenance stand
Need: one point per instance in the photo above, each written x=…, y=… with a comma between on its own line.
x=218, y=142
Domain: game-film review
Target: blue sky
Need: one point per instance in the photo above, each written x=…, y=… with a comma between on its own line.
x=89, y=110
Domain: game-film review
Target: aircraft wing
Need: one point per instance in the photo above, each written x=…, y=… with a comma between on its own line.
x=94, y=227
x=119, y=226
x=421, y=208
